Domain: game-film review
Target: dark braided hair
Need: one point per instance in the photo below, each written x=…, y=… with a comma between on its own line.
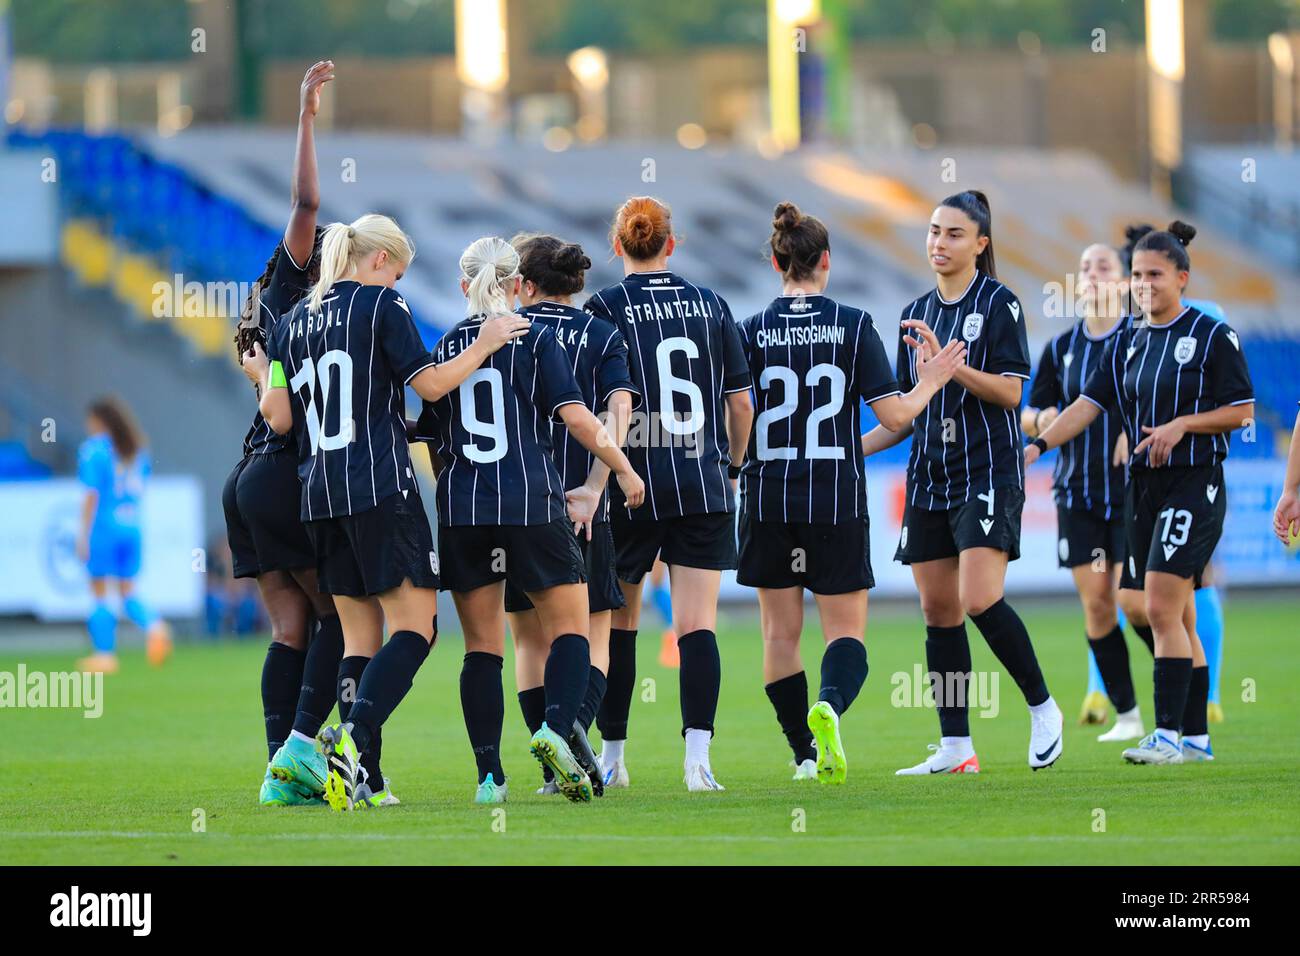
x=250, y=329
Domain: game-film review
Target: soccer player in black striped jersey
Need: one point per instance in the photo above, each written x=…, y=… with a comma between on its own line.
x=1180, y=384
x=965, y=483
x=1088, y=483
x=688, y=361
x=803, y=516
x=260, y=498
x=339, y=365
x=502, y=517
x=551, y=272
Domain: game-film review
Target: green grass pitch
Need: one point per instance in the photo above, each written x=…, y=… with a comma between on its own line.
x=185, y=744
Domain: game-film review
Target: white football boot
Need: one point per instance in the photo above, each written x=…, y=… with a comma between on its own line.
x=943, y=759
x=1155, y=748
x=1045, y=738
x=1128, y=726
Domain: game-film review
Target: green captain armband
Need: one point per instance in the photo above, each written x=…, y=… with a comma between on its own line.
x=277, y=376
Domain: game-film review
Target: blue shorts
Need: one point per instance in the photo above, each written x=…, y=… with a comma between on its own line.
x=114, y=551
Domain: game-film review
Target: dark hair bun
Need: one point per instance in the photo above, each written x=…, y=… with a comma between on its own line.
x=1136, y=231
x=785, y=217
x=1182, y=231
x=570, y=259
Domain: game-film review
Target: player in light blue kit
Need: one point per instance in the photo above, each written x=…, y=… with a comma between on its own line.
x=113, y=464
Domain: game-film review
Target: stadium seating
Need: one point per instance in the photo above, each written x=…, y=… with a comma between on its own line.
x=208, y=206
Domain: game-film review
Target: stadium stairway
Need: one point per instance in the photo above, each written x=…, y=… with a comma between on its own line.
x=80, y=342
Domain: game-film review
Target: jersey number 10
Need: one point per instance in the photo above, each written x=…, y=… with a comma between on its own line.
x=311, y=376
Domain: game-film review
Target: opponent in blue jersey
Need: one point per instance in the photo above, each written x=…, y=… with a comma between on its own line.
x=113, y=465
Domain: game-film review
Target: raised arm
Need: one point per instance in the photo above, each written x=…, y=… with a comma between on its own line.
x=300, y=234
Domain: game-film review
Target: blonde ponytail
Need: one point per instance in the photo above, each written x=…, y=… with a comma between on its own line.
x=489, y=265
x=344, y=245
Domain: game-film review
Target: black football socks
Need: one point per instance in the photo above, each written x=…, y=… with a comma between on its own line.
x=612, y=715
x=349, y=680
x=700, y=679
x=319, y=677
x=1173, y=678
x=789, y=697
x=596, y=685
x=1009, y=641
x=1147, y=636
x=484, y=704
x=384, y=683
x=567, y=667
x=281, y=679
x=1195, y=719
x=532, y=704
x=947, y=657
x=1111, y=654
x=844, y=670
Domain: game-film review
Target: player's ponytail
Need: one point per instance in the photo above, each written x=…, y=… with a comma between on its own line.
x=1172, y=242
x=555, y=267
x=488, y=265
x=797, y=241
x=975, y=205
x=345, y=245
x=123, y=430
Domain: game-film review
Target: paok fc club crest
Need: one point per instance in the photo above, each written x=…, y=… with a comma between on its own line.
x=970, y=329
x=1184, y=349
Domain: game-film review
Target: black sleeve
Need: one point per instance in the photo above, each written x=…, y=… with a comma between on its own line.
x=595, y=304
x=1229, y=376
x=612, y=372
x=735, y=368
x=555, y=382
x=398, y=338
x=875, y=377
x=1100, y=387
x=1008, y=350
x=1045, y=392
x=903, y=360
x=288, y=284
x=426, y=426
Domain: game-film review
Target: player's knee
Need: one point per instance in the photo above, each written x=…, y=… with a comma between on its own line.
x=975, y=601
x=293, y=634
x=941, y=610
x=1099, y=609
x=1162, y=613
x=1133, y=604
